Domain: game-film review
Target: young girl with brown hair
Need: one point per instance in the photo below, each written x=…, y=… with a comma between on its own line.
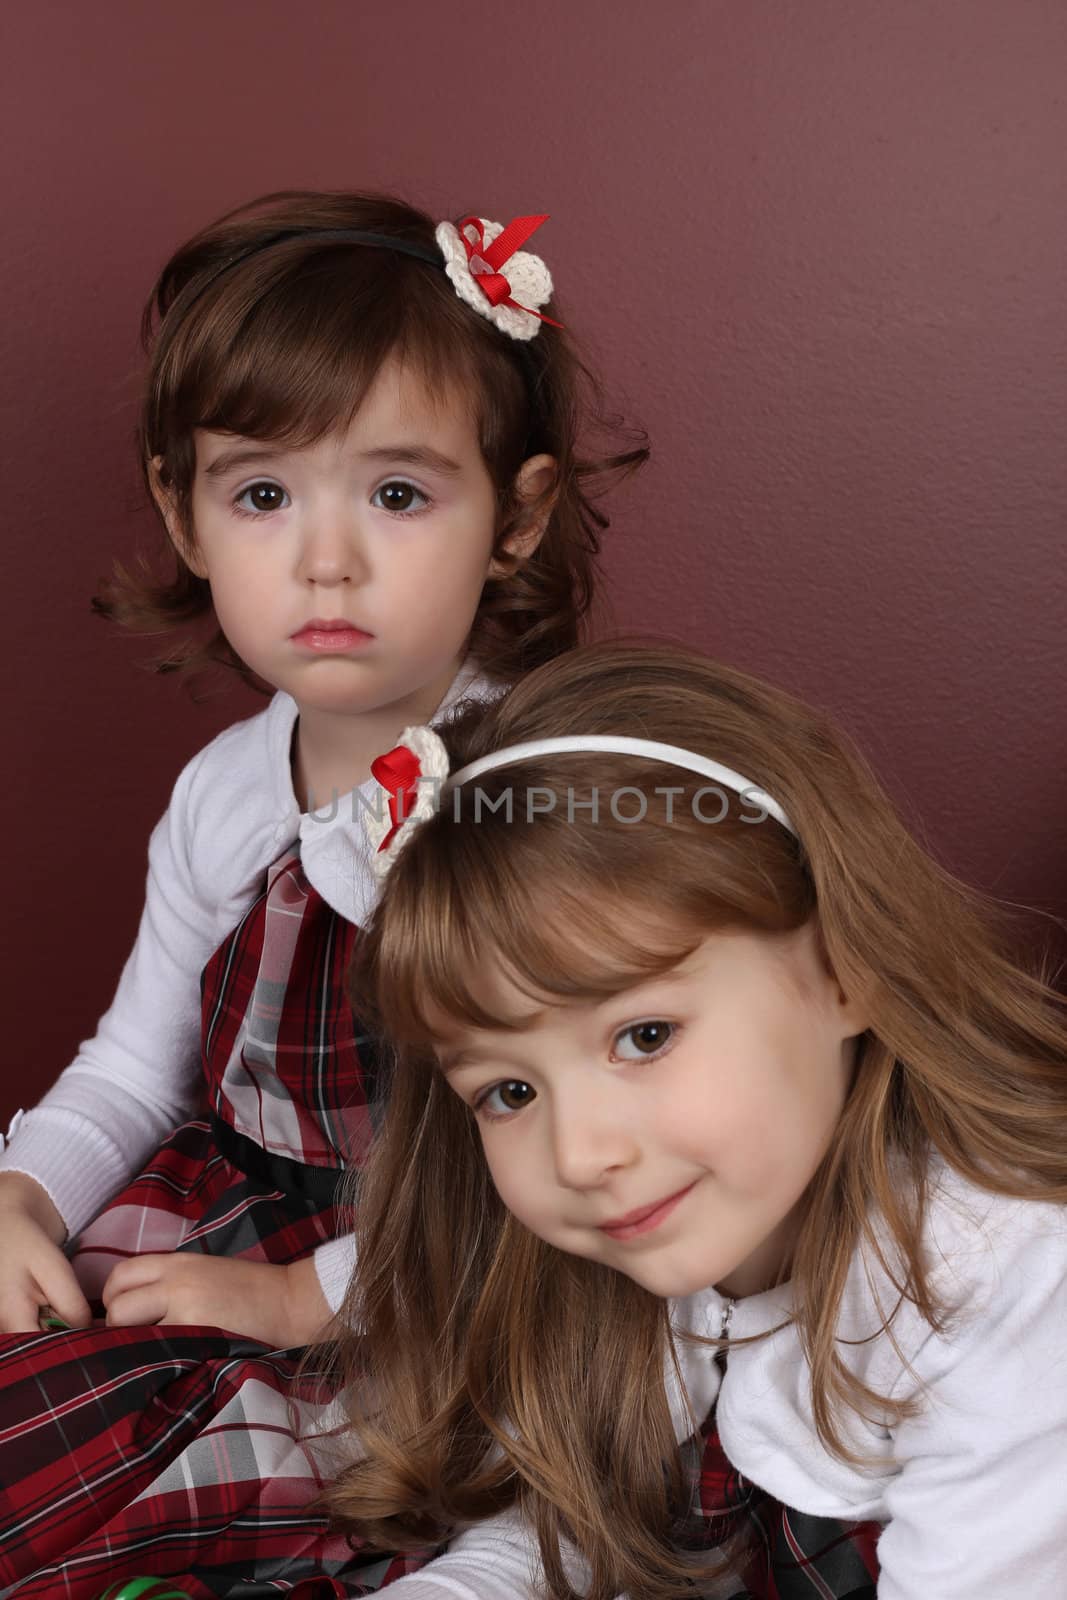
x=367, y=439
x=705, y=1072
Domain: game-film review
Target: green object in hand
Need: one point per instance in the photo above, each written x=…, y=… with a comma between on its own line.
x=143, y=1589
x=50, y=1321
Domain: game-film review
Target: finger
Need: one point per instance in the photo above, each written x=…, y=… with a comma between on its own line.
x=133, y=1273
x=61, y=1290
x=19, y=1313
x=138, y=1307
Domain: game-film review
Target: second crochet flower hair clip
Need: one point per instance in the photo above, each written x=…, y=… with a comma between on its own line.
x=493, y=274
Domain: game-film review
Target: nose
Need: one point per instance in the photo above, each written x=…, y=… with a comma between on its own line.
x=332, y=552
x=591, y=1140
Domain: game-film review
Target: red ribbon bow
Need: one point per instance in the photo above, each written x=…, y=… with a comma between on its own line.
x=486, y=260
x=398, y=771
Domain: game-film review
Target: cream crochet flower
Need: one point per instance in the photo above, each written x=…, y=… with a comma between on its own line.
x=429, y=751
x=529, y=281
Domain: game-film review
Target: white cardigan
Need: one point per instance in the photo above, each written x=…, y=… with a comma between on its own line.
x=972, y=1490
x=232, y=813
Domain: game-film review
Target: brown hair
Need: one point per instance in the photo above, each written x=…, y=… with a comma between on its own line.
x=263, y=325
x=505, y=1372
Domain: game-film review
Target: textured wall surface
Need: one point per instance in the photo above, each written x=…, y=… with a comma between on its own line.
x=816, y=246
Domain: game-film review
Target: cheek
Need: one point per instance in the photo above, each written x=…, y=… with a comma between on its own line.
x=514, y=1178
x=741, y=1124
x=454, y=579
x=237, y=607
x=459, y=550
x=502, y=1173
x=773, y=1136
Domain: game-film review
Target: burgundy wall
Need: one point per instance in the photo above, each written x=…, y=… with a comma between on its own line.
x=816, y=245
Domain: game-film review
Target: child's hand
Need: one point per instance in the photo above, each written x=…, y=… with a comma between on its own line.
x=33, y=1269
x=279, y=1306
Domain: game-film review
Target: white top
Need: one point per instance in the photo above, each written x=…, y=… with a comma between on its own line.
x=232, y=813
x=972, y=1491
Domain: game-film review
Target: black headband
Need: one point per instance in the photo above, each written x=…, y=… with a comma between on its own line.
x=377, y=241
x=380, y=241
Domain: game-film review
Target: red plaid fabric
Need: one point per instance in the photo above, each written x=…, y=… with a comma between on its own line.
x=186, y=1452
x=788, y=1555
x=284, y=1068
x=280, y=1053
x=179, y=1452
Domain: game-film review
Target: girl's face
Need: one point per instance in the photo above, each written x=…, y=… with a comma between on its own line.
x=670, y=1132
x=348, y=572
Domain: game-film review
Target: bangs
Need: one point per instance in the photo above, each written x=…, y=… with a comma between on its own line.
x=288, y=351
x=471, y=905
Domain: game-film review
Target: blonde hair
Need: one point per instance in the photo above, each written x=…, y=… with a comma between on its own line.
x=505, y=1372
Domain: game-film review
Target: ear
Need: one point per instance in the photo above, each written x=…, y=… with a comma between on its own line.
x=534, y=481
x=851, y=1011
x=167, y=506
x=852, y=1014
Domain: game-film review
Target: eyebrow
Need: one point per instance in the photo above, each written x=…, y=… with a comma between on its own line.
x=228, y=459
x=415, y=455
x=410, y=455
x=453, y=1060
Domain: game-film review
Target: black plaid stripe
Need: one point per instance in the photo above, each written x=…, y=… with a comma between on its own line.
x=169, y=1451
x=190, y=1197
x=778, y=1553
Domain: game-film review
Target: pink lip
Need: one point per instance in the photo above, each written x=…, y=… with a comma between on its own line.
x=330, y=634
x=645, y=1218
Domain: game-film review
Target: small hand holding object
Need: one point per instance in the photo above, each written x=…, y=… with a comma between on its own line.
x=281, y=1306
x=33, y=1269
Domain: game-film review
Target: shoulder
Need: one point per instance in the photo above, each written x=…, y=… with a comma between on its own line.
x=249, y=755
x=234, y=799
x=996, y=1260
x=978, y=1244
x=997, y=1266
x=970, y=1229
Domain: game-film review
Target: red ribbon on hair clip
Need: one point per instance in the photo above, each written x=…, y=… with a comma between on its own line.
x=486, y=260
x=398, y=772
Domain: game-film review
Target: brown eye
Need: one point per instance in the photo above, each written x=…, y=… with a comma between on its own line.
x=506, y=1097
x=646, y=1038
x=262, y=497
x=398, y=495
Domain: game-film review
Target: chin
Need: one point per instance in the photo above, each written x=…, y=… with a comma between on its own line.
x=666, y=1280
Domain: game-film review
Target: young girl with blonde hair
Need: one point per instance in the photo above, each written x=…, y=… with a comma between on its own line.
x=718, y=1115
x=369, y=443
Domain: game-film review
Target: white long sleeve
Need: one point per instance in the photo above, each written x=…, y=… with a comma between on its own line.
x=232, y=813
x=138, y=1077
x=496, y=1560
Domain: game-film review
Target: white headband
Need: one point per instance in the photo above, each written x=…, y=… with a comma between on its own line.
x=415, y=771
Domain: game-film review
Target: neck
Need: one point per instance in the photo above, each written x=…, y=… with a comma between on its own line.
x=333, y=750
x=769, y=1265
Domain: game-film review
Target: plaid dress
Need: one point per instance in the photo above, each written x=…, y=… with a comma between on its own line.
x=287, y=1084
x=188, y=1452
